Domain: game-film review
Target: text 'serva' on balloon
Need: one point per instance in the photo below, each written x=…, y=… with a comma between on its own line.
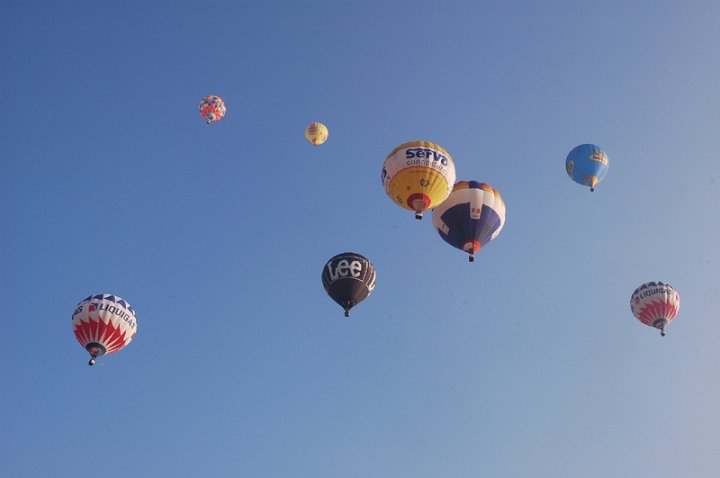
x=418, y=176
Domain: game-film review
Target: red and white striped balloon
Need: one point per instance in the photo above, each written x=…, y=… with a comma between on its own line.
x=103, y=324
x=655, y=304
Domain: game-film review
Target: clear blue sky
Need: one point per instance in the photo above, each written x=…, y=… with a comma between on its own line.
x=527, y=362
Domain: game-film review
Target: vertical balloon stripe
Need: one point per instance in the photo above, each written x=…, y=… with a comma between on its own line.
x=500, y=209
x=81, y=333
x=114, y=338
x=96, y=330
x=476, y=200
x=490, y=223
x=371, y=282
x=487, y=216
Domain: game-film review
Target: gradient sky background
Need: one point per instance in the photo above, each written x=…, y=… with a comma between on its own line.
x=527, y=362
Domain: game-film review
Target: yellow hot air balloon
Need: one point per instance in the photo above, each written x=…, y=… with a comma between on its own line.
x=316, y=133
x=418, y=176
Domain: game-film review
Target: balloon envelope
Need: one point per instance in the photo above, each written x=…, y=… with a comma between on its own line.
x=655, y=304
x=212, y=108
x=103, y=324
x=471, y=216
x=418, y=176
x=316, y=133
x=587, y=164
x=348, y=278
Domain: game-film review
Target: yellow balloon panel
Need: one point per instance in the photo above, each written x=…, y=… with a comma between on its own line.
x=316, y=133
x=418, y=175
x=418, y=188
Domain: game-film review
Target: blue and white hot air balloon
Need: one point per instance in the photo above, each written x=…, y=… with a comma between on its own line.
x=471, y=216
x=587, y=164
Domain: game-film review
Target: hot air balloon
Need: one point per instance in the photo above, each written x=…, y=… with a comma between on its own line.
x=103, y=324
x=348, y=279
x=472, y=216
x=587, y=164
x=316, y=133
x=418, y=176
x=212, y=108
x=655, y=304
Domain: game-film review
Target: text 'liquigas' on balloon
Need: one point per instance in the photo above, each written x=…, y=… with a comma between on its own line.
x=104, y=324
x=655, y=304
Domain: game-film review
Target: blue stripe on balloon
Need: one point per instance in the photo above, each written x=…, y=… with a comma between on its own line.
x=463, y=228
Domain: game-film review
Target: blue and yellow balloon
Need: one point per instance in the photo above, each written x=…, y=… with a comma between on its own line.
x=418, y=176
x=472, y=216
x=587, y=164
